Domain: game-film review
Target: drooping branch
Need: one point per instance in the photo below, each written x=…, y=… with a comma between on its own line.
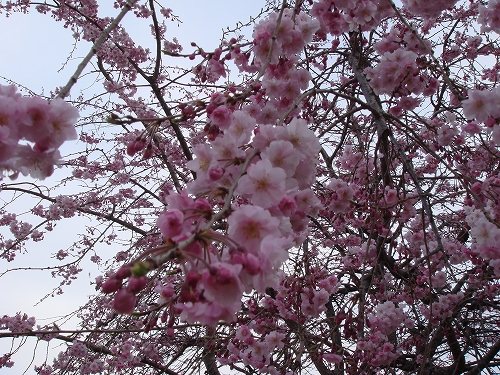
x=81, y=209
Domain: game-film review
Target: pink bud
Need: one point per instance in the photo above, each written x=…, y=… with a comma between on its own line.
x=490, y=121
x=215, y=173
x=224, y=276
x=217, y=53
x=136, y=284
x=168, y=292
x=238, y=258
x=131, y=148
x=202, y=204
x=252, y=265
x=139, y=144
x=149, y=152
x=111, y=285
x=192, y=279
x=164, y=316
x=124, y=302
x=124, y=272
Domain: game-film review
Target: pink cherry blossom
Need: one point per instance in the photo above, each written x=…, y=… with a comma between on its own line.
x=221, y=116
x=428, y=8
x=479, y=105
x=301, y=137
x=171, y=223
x=282, y=155
x=207, y=313
x=263, y=184
x=37, y=164
x=222, y=284
x=248, y=225
x=241, y=127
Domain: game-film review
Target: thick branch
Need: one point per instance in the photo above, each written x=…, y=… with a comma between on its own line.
x=210, y=362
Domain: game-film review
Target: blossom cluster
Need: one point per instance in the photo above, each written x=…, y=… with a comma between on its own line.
x=271, y=217
x=279, y=91
x=292, y=33
x=443, y=308
x=17, y=323
x=47, y=125
x=483, y=106
x=386, y=317
x=398, y=71
x=337, y=17
x=377, y=350
x=342, y=195
x=489, y=16
x=260, y=338
x=428, y=8
x=266, y=163
x=486, y=235
x=254, y=350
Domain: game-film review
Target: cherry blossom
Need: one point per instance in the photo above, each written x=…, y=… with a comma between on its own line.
x=46, y=125
x=316, y=192
x=264, y=183
x=248, y=225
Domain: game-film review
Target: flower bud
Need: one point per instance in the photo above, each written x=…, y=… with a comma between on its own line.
x=124, y=302
x=215, y=173
x=136, y=284
x=131, y=148
x=111, y=285
x=148, y=153
x=124, y=272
